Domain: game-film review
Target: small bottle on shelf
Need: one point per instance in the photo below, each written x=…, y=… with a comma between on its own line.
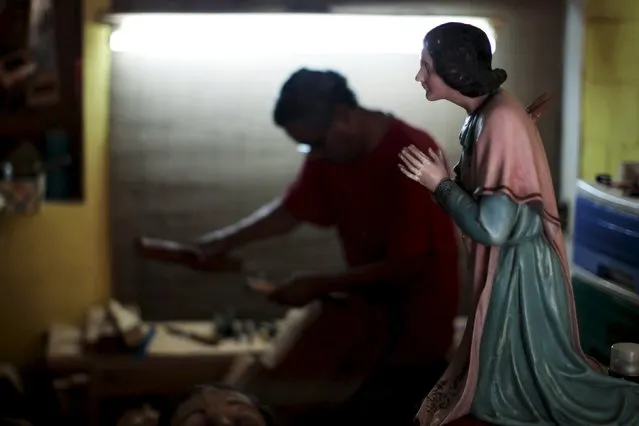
x=604, y=179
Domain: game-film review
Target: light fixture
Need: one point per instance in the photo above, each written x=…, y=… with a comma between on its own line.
x=269, y=34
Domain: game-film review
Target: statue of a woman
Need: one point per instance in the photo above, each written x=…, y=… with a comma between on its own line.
x=520, y=361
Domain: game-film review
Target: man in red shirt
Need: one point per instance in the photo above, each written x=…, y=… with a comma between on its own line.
x=399, y=245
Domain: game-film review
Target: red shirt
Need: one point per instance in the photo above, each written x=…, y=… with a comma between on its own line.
x=381, y=215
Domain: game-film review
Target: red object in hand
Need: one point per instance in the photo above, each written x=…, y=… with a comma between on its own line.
x=184, y=254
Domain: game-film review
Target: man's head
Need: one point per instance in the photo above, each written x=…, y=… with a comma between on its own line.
x=316, y=109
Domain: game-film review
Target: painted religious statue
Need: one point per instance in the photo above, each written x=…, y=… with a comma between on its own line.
x=520, y=361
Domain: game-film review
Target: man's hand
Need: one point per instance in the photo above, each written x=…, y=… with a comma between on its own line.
x=185, y=254
x=262, y=286
x=213, y=245
x=299, y=290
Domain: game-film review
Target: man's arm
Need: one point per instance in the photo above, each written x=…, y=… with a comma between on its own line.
x=304, y=201
x=270, y=220
x=400, y=271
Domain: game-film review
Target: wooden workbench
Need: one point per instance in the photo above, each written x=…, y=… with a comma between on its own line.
x=171, y=364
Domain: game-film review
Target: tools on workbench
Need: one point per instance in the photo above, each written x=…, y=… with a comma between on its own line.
x=115, y=328
x=210, y=338
x=240, y=330
x=228, y=326
x=185, y=254
x=135, y=333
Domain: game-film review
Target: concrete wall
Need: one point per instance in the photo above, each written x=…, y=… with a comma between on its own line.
x=193, y=147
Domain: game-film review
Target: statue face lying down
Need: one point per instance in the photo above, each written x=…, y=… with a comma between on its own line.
x=218, y=405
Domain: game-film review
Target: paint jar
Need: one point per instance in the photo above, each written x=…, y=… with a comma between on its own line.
x=624, y=361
